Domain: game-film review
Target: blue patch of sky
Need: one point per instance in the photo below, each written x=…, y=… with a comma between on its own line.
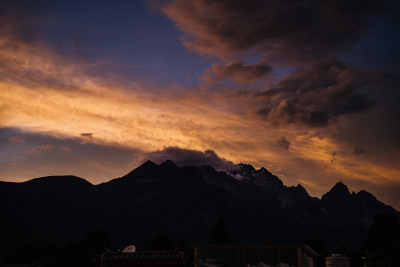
x=380, y=48
x=127, y=35
x=110, y=161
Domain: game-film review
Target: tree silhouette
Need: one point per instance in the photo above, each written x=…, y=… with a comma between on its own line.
x=383, y=245
x=79, y=254
x=318, y=244
x=161, y=241
x=348, y=251
x=220, y=234
x=44, y=251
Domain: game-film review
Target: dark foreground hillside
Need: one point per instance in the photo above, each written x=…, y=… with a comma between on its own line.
x=185, y=203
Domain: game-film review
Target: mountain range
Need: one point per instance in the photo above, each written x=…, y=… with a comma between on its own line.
x=184, y=202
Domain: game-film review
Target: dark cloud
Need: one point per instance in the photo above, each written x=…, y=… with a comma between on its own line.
x=359, y=151
x=333, y=157
x=315, y=96
x=18, y=17
x=238, y=71
x=21, y=44
x=188, y=157
x=308, y=35
x=287, y=30
x=282, y=142
x=318, y=135
x=86, y=138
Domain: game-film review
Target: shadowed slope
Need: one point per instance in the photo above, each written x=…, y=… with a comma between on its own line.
x=184, y=202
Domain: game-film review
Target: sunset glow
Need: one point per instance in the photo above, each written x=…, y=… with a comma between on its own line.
x=309, y=110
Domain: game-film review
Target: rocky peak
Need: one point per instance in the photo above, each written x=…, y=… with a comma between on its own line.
x=261, y=177
x=338, y=194
x=302, y=190
x=340, y=188
x=145, y=169
x=245, y=170
x=147, y=164
x=365, y=199
x=267, y=179
x=263, y=170
x=168, y=164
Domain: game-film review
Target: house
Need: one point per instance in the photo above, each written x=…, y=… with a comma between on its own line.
x=171, y=258
x=262, y=255
x=34, y=264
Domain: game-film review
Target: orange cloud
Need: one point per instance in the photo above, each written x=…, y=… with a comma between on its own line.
x=37, y=149
x=32, y=151
x=45, y=147
x=44, y=93
x=16, y=139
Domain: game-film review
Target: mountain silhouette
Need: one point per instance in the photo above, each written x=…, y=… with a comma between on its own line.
x=338, y=194
x=184, y=202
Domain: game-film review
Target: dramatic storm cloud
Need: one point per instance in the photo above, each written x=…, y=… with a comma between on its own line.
x=316, y=96
x=307, y=35
x=280, y=30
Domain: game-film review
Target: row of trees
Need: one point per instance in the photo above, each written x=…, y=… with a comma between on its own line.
x=49, y=253
x=382, y=247
x=78, y=254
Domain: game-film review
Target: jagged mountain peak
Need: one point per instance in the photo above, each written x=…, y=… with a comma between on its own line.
x=146, y=169
x=261, y=177
x=263, y=171
x=340, y=188
x=244, y=169
x=341, y=185
x=248, y=170
x=148, y=163
x=169, y=164
x=338, y=194
x=365, y=195
x=302, y=190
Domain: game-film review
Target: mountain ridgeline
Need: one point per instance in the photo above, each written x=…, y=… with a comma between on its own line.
x=184, y=202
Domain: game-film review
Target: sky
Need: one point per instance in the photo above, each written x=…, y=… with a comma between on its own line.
x=307, y=89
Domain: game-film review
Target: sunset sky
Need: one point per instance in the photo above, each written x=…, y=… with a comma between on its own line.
x=308, y=89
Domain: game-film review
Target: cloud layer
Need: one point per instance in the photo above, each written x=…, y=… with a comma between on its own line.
x=275, y=71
